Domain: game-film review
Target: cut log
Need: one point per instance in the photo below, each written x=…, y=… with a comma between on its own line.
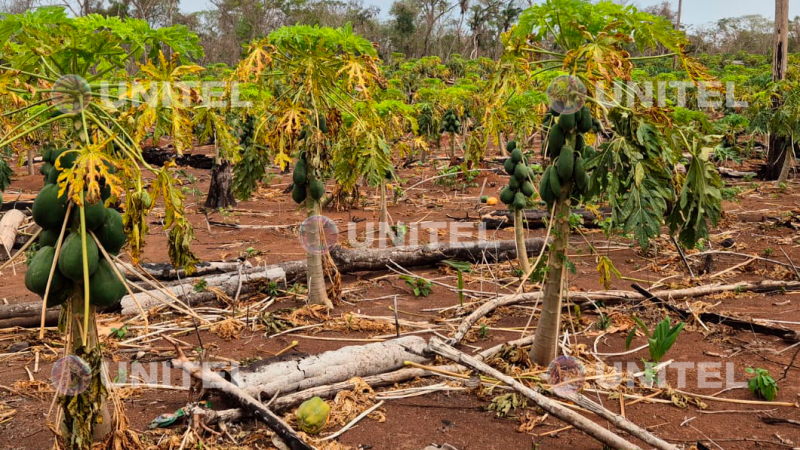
x=9, y=227
x=347, y=260
x=732, y=173
x=165, y=271
x=331, y=367
x=537, y=219
x=213, y=380
x=555, y=409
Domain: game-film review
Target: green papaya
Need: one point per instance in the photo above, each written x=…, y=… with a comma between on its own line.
x=555, y=182
x=64, y=159
x=527, y=189
x=509, y=165
x=298, y=194
x=507, y=196
x=52, y=176
x=553, y=112
x=105, y=288
x=302, y=135
x=316, y=189
x=589, y=152
x=95, y=214
x=70, y=262
x=521, y=172
x=323, y=125
x=484, y=198
x=300, y=175
x=111, y=234
x=47, y=156
x=39, y=271
x=519, y=201
x=312, y=415
x=49, y=209
x=565, y=163
x=567, y=122
x=45, y=169
x=555, y=140
x=580, y=143
x=585, y=120
x=580, y=174
x=544, y=187
x=516, y=155
x=511, y=145
x=513, y=183
x=105, y=191
x=49, y=237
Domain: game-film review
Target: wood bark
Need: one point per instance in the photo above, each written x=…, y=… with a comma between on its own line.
x=315, y=269
x=220, y=194
x=9, y=227
x=331, y=367
x=547, y=330
x=555, y=409
x=519, y=235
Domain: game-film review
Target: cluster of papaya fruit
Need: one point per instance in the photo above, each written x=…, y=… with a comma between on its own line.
x=519, y=188
x=567, y=149
x=50, y=212
x=450, y=122
x=305, y=182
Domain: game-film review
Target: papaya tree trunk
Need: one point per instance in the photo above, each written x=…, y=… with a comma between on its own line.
x=30, y=161
x=220, y=194
x=546, y=342
x=453, y=160
x=315, y=271
x=779, y=145
x=519, y=236
x=384, y=207
x=85, y=414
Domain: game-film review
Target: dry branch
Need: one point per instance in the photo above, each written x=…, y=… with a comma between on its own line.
x=9, y=226
x=561, y=412
x=537, y=219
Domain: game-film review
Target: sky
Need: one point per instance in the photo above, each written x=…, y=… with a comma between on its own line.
x=695, y=12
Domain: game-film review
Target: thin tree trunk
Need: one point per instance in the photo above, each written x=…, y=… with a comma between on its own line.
x=546, y=343
x=317, y=295
x=519, y=236
x=678, y=27
x=778, y=145
x=30, y=161
x=220, y=194
x=453, y=159
x=788, y=162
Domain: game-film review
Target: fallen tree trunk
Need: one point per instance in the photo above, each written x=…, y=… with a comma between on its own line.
x=215, y=381
x=9, y=227
x=347, y=260
x=331, y=367
x=537, y=219
x=557, y=410
x=700, y=291
x=165, y=271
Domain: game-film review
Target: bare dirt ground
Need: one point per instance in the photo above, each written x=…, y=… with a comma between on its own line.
x=762, y=221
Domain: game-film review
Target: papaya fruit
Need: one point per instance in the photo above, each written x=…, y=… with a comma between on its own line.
x=49, y=237
x=298, y=194
x=585, y=120
x=312, y=415
x=507, y=196
x=580, y=176
x=516, y=155
x=95, y=214
x=39, y=271
x=70, y=262
x=553, y=112
x=316, y=189
x=484, y=198
x=323, y=125
x=105, y=191
x=589, y=152
x=105, y=288
x=513, y=183
x=65, y=159
x=491, y=201
x=519, y=201
x=544, y=187
x=509, y=165
x=565, y=163
x=45, y=169
x=580, y=143
x=567, y=122
x=47, y=156
x=300, y=175
x=52, y=176
x=527, y=189
x=511, y=145
x=111, y=233
x=521, y=172
x=555, y=140
x=555, y=182
x=49, y=209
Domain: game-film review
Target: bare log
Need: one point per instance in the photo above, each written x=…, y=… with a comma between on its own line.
x=557, y=410
x=331, y=367
x=9, y=227
x=215, y=381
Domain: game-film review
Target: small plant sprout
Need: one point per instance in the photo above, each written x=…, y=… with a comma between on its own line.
x=660, y=341
x=762, y=384
x=460, y=267
x=420, y=286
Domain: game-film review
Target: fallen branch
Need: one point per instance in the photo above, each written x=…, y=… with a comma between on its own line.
x=555, y=409
x=538, y=219
x=9, y=226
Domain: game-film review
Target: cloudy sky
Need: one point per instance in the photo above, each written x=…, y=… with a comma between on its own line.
x=695, y=12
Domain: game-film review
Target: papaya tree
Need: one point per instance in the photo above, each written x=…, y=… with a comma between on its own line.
x=313, y=77
x=93, y=164
x=634, y=171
